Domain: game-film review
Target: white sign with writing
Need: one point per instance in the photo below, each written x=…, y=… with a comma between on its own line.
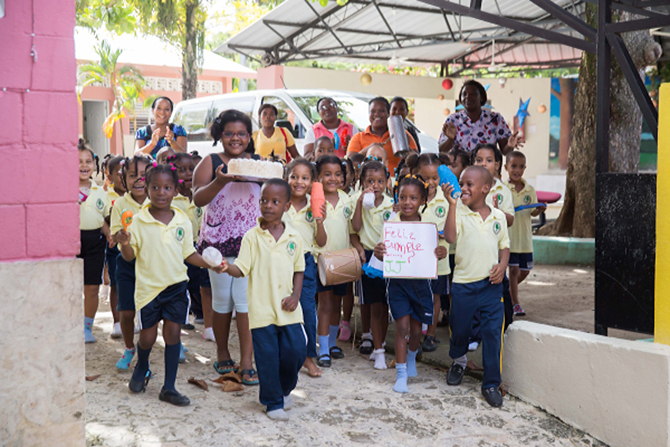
x=410, y=250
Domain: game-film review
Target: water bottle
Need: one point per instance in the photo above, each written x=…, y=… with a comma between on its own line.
x=446, y=176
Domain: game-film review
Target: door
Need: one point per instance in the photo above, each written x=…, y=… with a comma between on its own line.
x=94, y=113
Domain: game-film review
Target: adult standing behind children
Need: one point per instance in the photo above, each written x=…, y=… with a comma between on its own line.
x=330, y=126
x=153, y=137
x=378, y=133
x=232, y=210
x=271, y=141
x=475, y=125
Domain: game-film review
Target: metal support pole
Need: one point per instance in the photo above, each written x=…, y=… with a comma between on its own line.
x=603, y=63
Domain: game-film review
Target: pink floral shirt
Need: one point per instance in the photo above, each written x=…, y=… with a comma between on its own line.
x=489, y=128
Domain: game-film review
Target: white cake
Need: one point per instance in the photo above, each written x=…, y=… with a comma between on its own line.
x=255, y=168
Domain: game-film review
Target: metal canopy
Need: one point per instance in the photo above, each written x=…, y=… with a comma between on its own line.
x=410, y=31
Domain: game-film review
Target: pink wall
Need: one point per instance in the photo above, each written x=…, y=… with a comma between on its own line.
x=270, y=77
x=38, y=112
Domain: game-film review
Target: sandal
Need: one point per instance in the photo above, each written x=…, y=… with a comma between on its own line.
x=225, y=366
x=366, y=346
x=323, y=361
x=336, y=352
x=139, y=386
x=253, y=377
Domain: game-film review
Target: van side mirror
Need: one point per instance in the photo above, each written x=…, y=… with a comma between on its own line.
x=286, y=124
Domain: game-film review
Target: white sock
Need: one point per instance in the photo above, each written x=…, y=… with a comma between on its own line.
x=462, y=361
x=288, y=402
x=380, y=358
x=278, y=415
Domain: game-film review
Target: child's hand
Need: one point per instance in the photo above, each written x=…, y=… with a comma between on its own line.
x=447, y=189
x=380, y=251
x=111, y=242
x=324, y=209
x=221, y=268
x=441, y=252
x=290, y=303
x=223, y=178
x=123, y=238
x=497, y=274
x=361, y=253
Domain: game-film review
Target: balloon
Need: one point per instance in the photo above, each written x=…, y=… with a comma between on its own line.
x=447, y=112
x=447, y=84
x=440, y=97
x=541, y=108
x=366, y=79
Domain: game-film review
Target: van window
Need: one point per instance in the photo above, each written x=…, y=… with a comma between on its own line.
x=193, y=118
x=285, y=113
x=352, y=109
x=244, y=104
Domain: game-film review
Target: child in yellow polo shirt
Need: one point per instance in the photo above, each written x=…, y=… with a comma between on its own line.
x=521, y=232
x=160, y=238
x=271, y=255
x=115, y=191
x=368, y=224
x=482, y=254
x=94, y=232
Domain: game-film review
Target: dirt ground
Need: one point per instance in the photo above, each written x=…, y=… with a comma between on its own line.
x=352, y=404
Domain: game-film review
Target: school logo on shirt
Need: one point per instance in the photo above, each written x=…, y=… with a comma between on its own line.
x=198, y=211
x=347, y=212
x=290, y=247
x=99, y=204
x=387, y=215
x=440, y=212
x=500, y=199
x=526, y=200
x=496, y=227
x=309, y=217
x=179, y=234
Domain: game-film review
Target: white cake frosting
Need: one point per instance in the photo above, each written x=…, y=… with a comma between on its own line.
x=255, y=168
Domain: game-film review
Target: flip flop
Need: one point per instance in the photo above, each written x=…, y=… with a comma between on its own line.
x=225, y=366
x=323, y=361
x=253, y=377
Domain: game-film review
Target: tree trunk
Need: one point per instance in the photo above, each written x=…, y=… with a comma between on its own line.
x=577, y=217
x=189, y=73
x=567, y=97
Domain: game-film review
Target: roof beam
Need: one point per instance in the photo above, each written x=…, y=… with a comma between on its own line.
x=381, y=14
x=639, y=24
x=321, y=19
x=569, y=19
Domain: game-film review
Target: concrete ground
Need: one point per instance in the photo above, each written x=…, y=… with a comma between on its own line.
x=352, y=404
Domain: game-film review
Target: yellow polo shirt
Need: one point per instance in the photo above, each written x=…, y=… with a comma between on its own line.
x=122, y=205
x=94, y=209
x=193, y=212
x=478, y=243
x=278, y=142
x=436, y=212
x=337, y=224
x=160, y=251
x=505, y=200
x=112, y=195
x=373, y=221
x=521, y=231
x=303, y=222
x=270, y=266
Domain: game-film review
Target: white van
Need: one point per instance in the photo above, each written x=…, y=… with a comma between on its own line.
x=297, y=113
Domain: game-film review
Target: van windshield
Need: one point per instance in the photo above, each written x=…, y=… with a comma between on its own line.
x=352, y=109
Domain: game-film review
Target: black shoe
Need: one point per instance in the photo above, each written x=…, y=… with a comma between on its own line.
x=429, y=344
x=187, y=326
x=174, y=397
x=323, y=361
x=336, y=352
x=138, y=384
x=455, y=375
x=366, y=347
x=493, y=396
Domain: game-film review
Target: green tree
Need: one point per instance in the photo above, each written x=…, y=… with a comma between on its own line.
x=126, y=83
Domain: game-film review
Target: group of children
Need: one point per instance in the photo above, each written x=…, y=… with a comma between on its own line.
x=293, y=319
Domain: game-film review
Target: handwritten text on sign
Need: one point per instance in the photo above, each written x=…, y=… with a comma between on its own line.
x=410, y=250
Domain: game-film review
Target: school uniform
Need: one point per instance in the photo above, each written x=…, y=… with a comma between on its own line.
x=436, y=212
x=372, y=290
x=477, y=250
x=278, y=336
x=413, y=297
x=194, y=273
x=93, y=208
x=521, y=232
x=111, y=253
x=125, y=271
x=337, y=228
x=303, y=222
x=160, y=273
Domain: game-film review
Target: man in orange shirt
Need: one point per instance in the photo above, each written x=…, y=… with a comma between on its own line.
x=378, y=133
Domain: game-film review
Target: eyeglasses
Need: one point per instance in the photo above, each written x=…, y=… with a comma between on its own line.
x=327, y=105
x=235, y=134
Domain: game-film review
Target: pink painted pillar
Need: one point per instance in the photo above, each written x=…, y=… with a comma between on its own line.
x=270, y=77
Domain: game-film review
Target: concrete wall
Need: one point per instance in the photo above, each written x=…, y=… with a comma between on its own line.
x=41, y=347
x=616, y=390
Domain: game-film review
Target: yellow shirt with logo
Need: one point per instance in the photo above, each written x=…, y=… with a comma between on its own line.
x=373, y=221
x=303, y=222
x=478, y=243
x=336, y=224
x=270, y=265
x=436, y=212
x=94, y=209
x=112, y=195
x=193, y=212
x=277, y=143
x=160, y=251
x=521, y=231
x=504, y=195
x=125, y=203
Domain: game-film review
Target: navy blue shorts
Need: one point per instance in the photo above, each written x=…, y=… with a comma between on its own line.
x=125, y=284
x=371, y=290
x=440, y=285
x=412, y=297
x=171, y=304
x=522, y=260
x=92, y=251
x=339, y=290
x=110, y=259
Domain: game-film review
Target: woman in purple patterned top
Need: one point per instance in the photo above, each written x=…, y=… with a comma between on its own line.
x=473, y=125
x=232, y=209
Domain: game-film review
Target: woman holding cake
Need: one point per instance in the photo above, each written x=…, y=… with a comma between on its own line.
x=232, y=209
x=270, y=141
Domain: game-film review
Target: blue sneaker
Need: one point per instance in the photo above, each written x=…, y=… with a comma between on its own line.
x=182, y=353
x=124, y=362
x=88, y=335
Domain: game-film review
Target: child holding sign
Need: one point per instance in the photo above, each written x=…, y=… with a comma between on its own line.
x=482, y=254
x=410, y=300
